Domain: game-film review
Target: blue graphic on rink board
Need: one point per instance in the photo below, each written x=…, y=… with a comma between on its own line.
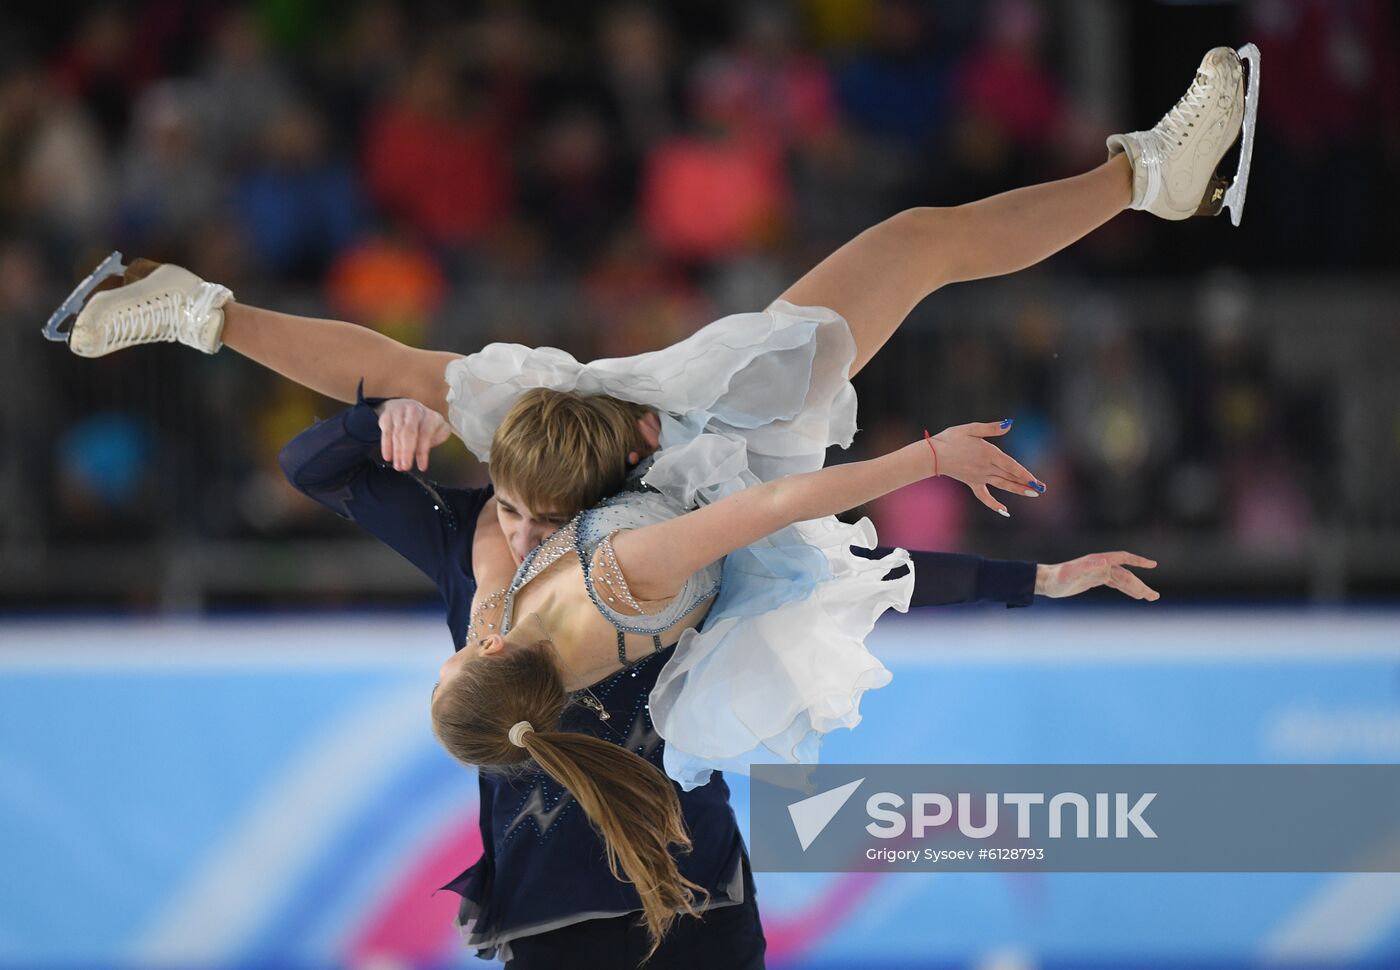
x=233, y=793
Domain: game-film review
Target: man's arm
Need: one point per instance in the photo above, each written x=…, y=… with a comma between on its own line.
x=942, y=578
x=951, y=578
x=337, y=463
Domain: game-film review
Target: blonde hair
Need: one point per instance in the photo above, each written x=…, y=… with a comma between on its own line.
x=628, y=801
x=561, y=452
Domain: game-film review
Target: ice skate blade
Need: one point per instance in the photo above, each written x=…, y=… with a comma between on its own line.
x=1234, y=195
x=71, y=307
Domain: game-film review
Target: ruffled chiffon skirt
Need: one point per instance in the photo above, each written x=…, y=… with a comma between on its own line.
x=780, y=660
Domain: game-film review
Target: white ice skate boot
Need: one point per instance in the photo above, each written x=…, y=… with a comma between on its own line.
x=1174, y=163
x=157, y=303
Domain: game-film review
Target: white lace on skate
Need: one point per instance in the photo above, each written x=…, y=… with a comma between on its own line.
x=1170, y=132
x=171, y=304
x=1183, y=114
x=167, y=316
x=141, y=323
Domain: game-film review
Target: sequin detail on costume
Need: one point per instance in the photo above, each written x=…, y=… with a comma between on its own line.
x=545, y=555
x=602, y=575
x=605, y=561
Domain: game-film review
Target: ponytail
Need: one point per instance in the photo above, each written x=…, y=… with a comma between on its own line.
x=478, y=717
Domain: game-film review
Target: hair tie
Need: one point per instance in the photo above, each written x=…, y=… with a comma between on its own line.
x=517, y=732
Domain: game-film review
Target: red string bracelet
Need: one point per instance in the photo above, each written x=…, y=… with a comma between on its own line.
x=929, y=439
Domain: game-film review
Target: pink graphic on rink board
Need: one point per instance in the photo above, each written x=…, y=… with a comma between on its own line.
x=416, y=924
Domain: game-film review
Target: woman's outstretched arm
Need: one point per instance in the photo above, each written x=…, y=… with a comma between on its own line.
x=332, y=356
x=657, y=559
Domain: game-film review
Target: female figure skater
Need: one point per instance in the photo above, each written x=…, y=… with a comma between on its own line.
x=542, y=895
x=721, y=442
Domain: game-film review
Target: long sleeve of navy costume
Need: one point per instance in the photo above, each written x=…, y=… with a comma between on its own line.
x=950, y=578
x=337, y=463
x=542, y=865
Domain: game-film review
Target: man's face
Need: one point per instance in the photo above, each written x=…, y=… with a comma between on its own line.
x=524, y=527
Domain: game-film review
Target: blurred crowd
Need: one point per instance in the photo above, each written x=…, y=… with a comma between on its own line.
x=609, y=177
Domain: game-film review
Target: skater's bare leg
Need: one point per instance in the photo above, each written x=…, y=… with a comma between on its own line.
x=152, y=303
x=331, y=356
x=879, y=276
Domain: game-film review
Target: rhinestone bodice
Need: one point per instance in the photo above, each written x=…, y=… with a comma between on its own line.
x=554, y=548
x=589, y=536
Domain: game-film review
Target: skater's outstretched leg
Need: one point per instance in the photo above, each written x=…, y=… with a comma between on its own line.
x=154, y=303
x=332, y=356
x=879, y=276
x=873, y=281
x=1170, y=170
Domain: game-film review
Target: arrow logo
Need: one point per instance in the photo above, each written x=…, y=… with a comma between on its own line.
x=811, y=815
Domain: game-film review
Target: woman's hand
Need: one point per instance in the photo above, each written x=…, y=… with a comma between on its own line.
x=408, y=431
x=649, y=428
x=964, y=455
x=1099, y=569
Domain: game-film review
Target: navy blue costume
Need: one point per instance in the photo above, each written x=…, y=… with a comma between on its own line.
x=541, y=892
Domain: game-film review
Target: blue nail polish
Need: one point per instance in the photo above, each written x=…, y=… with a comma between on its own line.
x=1037, y=486
x=1007, y=422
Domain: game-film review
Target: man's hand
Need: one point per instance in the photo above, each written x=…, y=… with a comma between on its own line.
x=1099, y=569
x=409, y=430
